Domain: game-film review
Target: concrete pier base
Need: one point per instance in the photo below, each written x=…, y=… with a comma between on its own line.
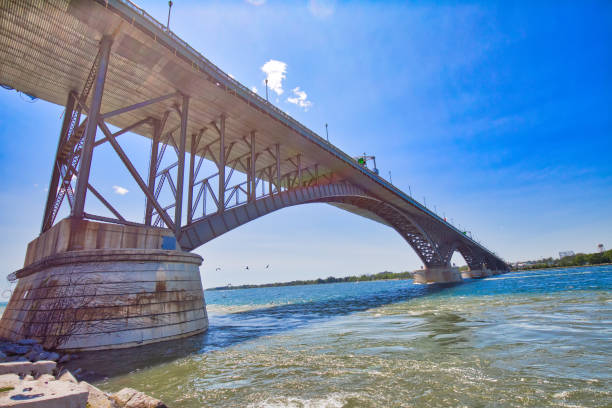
x=474, y=274
x=438, y=275
x=75, y=297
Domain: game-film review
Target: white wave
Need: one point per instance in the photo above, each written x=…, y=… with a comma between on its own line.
x=217, y=309
x=335, y=400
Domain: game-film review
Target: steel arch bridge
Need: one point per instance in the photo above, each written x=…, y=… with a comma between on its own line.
x=114, y=66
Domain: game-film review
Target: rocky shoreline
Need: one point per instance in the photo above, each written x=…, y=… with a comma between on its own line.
x=32, y=377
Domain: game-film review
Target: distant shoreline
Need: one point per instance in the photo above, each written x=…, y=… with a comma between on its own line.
x=363, y=278
x=562, y=267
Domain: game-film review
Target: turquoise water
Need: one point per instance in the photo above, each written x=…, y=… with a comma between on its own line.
x=540, y=338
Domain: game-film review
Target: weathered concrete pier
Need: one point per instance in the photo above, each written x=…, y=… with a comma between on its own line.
x=95, y=279
x=90, y=285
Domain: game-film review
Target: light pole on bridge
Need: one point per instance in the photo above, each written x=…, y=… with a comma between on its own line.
x=169, y=9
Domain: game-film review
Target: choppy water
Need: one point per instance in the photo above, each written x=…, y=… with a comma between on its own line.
x=540, y=338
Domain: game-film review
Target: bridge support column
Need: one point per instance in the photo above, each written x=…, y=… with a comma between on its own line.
x=91, y=286
x=438, y=274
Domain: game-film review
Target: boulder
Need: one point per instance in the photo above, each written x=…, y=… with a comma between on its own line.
x=122, y=396
x=15, y=349
x=43, y=355
x=46, y=378
x=12, y=359
x=45, y=367
x=24, y=368
x=53, y=356
x=27, y=342
x=97, y=398
x=64, y=359
x=31, y=355
x=130, y=398
x=141, y=400
x=9, y=380
x=66, y=375
x=38, y=394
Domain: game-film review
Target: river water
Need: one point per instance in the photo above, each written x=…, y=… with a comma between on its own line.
x=539, y=338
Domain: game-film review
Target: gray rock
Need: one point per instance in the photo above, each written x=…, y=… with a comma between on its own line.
x=43, y=355
x=141, y=400
x=15, y=349
x=77, y=373
x=27, y=342
x=49, y=394
x=64, y=359
x=66, y=375
x=31, y=355
x=97, y=398
x=46, y=378
x=25, y=368
x=53, y=356
x=11, y=359
x=130, y=398
x=9, y=380
x=122, y=396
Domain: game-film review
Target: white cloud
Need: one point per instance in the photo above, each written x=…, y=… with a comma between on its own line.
x=275, y=73
x=256, y=2
x=300, y=98
x=254, y=89
x=321, y=8
x=120, y=190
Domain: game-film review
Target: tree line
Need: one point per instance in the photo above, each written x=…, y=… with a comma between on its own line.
x=595, y=258
x=386, y=275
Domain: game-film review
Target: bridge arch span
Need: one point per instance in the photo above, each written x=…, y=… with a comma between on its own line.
x=343, y=195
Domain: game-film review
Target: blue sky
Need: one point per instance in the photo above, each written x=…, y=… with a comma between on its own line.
x=497, y=113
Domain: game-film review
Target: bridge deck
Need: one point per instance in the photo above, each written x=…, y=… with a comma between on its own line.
x=47, y=49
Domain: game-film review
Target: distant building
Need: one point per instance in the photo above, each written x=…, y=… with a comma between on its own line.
x=563, y=254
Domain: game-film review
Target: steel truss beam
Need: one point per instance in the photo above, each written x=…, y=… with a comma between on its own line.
x=234, y=204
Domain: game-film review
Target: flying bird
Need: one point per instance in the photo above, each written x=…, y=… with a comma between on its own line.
x=218, y=269
x=246, y=267
x=267, y=266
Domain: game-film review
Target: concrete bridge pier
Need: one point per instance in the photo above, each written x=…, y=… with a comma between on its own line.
x=88, y=285
x=438, y=274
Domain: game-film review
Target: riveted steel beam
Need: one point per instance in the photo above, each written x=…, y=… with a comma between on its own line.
x=178, y=210
x=90, y=130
